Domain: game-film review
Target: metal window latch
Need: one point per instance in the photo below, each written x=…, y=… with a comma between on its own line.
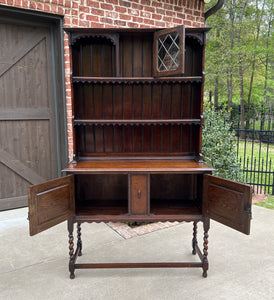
x=139, y=194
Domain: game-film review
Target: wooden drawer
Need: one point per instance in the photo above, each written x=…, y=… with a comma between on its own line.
x=138, y=194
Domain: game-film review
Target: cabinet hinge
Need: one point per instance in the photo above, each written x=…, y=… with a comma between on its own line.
x=248, y=211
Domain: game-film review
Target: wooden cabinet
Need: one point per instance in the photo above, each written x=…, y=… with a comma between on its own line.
x=137, y=121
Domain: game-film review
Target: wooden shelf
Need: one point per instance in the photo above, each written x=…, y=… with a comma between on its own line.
x=86, y=122
x=161, y=166
x=136, y=80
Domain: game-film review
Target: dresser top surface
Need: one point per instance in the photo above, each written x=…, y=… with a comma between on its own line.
x=138, y=166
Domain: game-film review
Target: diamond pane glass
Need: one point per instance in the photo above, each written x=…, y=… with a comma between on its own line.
x=168, y=58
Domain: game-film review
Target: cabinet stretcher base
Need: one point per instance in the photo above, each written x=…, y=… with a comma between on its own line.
x=195, y=250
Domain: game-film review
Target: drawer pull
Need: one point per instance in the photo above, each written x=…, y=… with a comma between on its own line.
x=139, y=194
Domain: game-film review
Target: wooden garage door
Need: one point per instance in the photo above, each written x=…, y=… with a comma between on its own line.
x=27, y=119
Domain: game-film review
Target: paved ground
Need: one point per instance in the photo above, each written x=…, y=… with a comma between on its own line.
x=241, y=267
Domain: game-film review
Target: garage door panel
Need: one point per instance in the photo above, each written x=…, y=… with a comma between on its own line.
x=27, y=118
x=28, y=81
x=15, y=186
x=28, y=142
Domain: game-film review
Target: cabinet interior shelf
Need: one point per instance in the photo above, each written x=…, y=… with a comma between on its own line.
x=138, y=80
x=137, y=122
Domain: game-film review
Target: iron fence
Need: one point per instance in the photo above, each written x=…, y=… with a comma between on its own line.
x=255, y=148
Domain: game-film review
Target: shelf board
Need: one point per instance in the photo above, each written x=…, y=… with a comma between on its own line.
x=86, y=122
x=148, y=166
x=137, y=80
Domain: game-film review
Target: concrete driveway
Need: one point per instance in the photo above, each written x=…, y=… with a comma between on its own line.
x=240, y=267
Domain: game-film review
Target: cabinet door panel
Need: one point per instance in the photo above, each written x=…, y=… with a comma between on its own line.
x=168, y=54
x=51, y=203
x=139, y=194
x=227, y=202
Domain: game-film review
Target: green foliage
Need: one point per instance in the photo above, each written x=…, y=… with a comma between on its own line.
x=219, y=144
x=248, y=40
x=268, y=203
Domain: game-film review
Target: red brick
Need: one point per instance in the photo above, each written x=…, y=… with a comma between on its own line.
x=92, y=18
x=61, y=2
x=149, y=8
x=124, y=3
x=83, y=24
x=170, y=13
x=181, y=16
x=83, y=8
x=133, y=12
x=137, y=20
x=74, y=12
x=132, y=25
x=197, y=13
x=146, y=2
x=159, y=24
x=111, y=14
x=75, y=21
x=40, y=6
x=120, y=23
x=91, y=3
x=137, y=6
x=160, y=11
x=190, y=17
x=187, y=23
x=178, y=8
x=149, y=21
x=106, y=21
x=167, y=19
x=106, y=6
x=66, y=21
x=156, y=17
x=157, y=4
x=120, y=9
x=75, y=5
x=46, y=7
x=60, y=10
x=16, y=2
x=145, y=14
x=98, y=12
x=112, y=1
x=168, y=6
x=10, y=2
x=176, y=20
x=188, y=11
x=67, y=3
x=25, y=3
x=124, y=17
x=97, y=25
x=32, y=5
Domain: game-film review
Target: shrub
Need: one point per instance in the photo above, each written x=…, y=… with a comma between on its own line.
x=219, y=144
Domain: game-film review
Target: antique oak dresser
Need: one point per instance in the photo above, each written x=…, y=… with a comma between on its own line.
x=137, y=127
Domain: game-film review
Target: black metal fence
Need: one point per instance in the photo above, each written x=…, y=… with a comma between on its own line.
x=255, y=147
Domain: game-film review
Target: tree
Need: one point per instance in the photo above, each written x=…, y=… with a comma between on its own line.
x=239, y=54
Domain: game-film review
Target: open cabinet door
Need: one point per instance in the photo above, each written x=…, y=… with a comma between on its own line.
x=51, y=203
x=169, y=49
x=227, y=202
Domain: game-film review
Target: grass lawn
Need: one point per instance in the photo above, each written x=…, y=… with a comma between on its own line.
x=268, y=203
x=262, y=156
x=255, y=149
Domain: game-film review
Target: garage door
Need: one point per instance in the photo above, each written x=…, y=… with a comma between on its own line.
x=28, y=123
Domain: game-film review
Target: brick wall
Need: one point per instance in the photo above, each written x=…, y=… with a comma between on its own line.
x=114, y=13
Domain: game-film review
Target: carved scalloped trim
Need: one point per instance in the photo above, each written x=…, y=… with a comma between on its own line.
x=196, y=36
x=116, y=80
x=134, y=123
x=113, y=38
